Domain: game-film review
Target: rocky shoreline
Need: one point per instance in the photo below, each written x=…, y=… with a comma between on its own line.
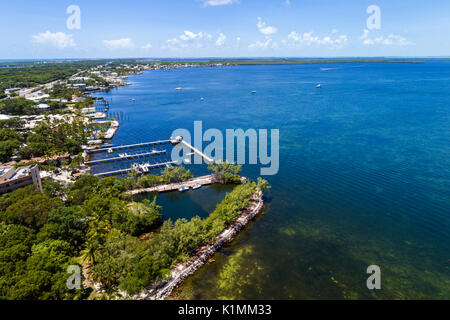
x=182, y=270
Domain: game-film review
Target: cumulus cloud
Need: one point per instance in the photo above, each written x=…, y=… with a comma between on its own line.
x=264, y=28
x=390, y=40
x=188, y=38
x=147, y=46
x=308, y=39
x=125, y=43
x=214, y=3
x=221, y=39
x=58, y=40
x=268, y=44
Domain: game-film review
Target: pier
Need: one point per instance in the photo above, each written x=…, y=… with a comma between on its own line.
x=130, y=146
x=127, y=157
x=125, y=171
x=179, y=140
x=203, y=181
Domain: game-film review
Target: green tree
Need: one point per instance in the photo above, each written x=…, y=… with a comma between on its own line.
x=226, y=172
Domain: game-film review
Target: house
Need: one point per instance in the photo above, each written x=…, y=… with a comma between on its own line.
x=12, y=179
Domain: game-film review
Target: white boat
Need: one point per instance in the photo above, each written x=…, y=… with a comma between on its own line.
x=254, y=91
x=197, y=186
x=319, y=86
x=110, y=150
x=179, y=88
x=183, y=189
x=135, y=166
x=123, y=155
x=202, y=99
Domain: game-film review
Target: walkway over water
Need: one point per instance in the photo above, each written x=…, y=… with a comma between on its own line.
x=130, y=146
x=179, y=140
x=127, y=157
x=125, y=171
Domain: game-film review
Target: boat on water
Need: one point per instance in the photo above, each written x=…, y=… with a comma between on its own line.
x=110, y=150
x=319, y=86
x=254, y=91
x=183, y=189
x=187, y=161
x=179, y=88
x=197, y=186
x=202, y=99
x=123, y=155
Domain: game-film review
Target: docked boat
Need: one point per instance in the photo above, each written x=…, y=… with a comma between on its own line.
x=183, y=189
x=197, y=186
x=123, y=155
x=110, y=150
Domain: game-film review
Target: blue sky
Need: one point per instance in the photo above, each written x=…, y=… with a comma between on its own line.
x=223, y=28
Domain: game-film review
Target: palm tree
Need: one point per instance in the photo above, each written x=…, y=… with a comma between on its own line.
x=89, y=254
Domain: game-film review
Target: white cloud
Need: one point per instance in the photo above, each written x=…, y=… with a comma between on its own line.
x=308, y=38
x=265, y=29
x=188, y=38
x=288, y=3
x=214, y=3
x=58, y=40
x=221, y=39
x=390, y=40
x=268, y=44
x=125, y=43
x=147, y=46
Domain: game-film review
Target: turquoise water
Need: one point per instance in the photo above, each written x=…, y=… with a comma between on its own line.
x=364, y=174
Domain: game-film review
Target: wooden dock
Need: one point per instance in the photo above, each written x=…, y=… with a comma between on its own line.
x=130, y=146
x=203, y=181
x=125, y=171
x=127, y=157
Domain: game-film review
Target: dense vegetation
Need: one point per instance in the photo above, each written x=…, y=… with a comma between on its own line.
x=226, y=172
x=91, y=223
x=48, y=138
x=33, y=74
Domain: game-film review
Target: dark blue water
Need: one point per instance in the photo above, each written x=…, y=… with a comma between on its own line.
x=364, y=174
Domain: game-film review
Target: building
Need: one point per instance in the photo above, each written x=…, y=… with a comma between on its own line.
x=12, y=179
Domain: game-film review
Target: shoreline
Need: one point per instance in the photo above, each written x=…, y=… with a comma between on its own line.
x=183, y=270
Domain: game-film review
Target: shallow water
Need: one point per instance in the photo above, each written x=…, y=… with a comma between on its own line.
x=364, y=174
